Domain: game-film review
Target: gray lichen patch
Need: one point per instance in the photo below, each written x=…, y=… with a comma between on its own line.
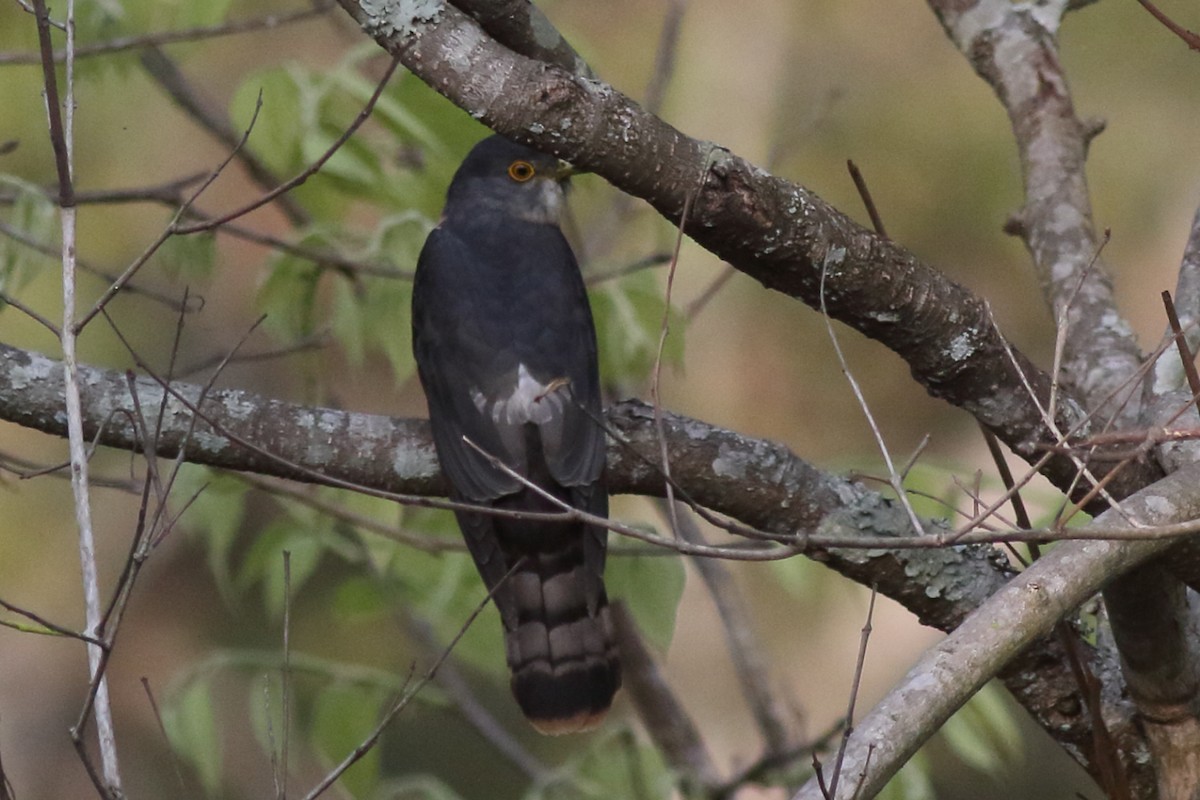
x=34, y=371
x=731, y=463
x=402, y=17
x=414, y=462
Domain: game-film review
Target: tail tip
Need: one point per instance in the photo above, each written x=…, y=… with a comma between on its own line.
x=569, y=699
x=582, y=722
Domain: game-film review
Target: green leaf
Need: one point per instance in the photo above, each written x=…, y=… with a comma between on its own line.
x=614, y=764
x=390, y=110
x=804, y=579
x=343, y=717
x=629, y=319
x=348, y=328
x=289, y=298
x=189, y=258
x=354, y=165
x=984, y=732
x=358, y=597
x=651, y=586
x=34, y=217
x=215, y=516
x=190, y=722
x=190, y=14
x=418, y=787
x=912, y=782
x=280, y=125
x=445, y=589
x=263, y=563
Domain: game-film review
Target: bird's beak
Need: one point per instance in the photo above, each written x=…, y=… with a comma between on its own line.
x=564, y=171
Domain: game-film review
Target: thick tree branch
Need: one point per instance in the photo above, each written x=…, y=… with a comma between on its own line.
x=522, y=27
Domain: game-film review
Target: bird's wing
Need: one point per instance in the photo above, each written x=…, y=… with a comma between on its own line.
x=450, y=346
x=494, y=358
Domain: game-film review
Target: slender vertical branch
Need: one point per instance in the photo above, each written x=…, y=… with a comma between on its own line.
x=857, y=682
x=285, y=678
x=61, y=123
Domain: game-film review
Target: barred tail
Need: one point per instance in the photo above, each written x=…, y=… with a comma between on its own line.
x=561, y=650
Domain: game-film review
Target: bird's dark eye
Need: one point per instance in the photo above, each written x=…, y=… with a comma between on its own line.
x=520, y=171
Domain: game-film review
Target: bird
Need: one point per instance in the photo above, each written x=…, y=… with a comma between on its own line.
x=505, y=347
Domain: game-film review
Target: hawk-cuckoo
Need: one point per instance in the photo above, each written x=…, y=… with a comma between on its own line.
x=506, y=350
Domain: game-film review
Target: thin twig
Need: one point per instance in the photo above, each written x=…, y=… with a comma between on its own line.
x=162, y=728
x=896, y=482
x=49, y=627
x=29, y=312
x=169, y=231
x=167, y=74
x=365, y=746
x=854, y=687
x=280, y=488
x=645, y=262
x=285, y=678
x=701, y=301
x=124, y=43
x=458, y=690
x=860, y=184
x=1052, y=425
x=1192, y=40
x=1186, y=357
x=307, y=173
x=55, y=251
x=168, y=192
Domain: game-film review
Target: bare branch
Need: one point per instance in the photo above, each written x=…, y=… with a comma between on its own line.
x=759, y=483
x=1013, y=47
x=1014, y=617
x=167, y=74
x=1192, y=40
x=122, y=44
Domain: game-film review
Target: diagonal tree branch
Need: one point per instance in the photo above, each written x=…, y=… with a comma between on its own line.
x=1013, y=47
x=1025, y=609
x=522, y=27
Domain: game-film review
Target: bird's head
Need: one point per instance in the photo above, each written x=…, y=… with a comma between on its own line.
x=499, y=174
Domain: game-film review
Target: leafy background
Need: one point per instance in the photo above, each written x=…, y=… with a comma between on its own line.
x=801, y=86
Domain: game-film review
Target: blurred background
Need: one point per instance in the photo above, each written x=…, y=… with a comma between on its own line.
x=797, y=86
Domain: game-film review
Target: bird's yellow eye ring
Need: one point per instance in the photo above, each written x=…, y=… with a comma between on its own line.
x=521, y=171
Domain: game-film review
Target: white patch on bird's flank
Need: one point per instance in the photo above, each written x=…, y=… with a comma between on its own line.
x=531, y=401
